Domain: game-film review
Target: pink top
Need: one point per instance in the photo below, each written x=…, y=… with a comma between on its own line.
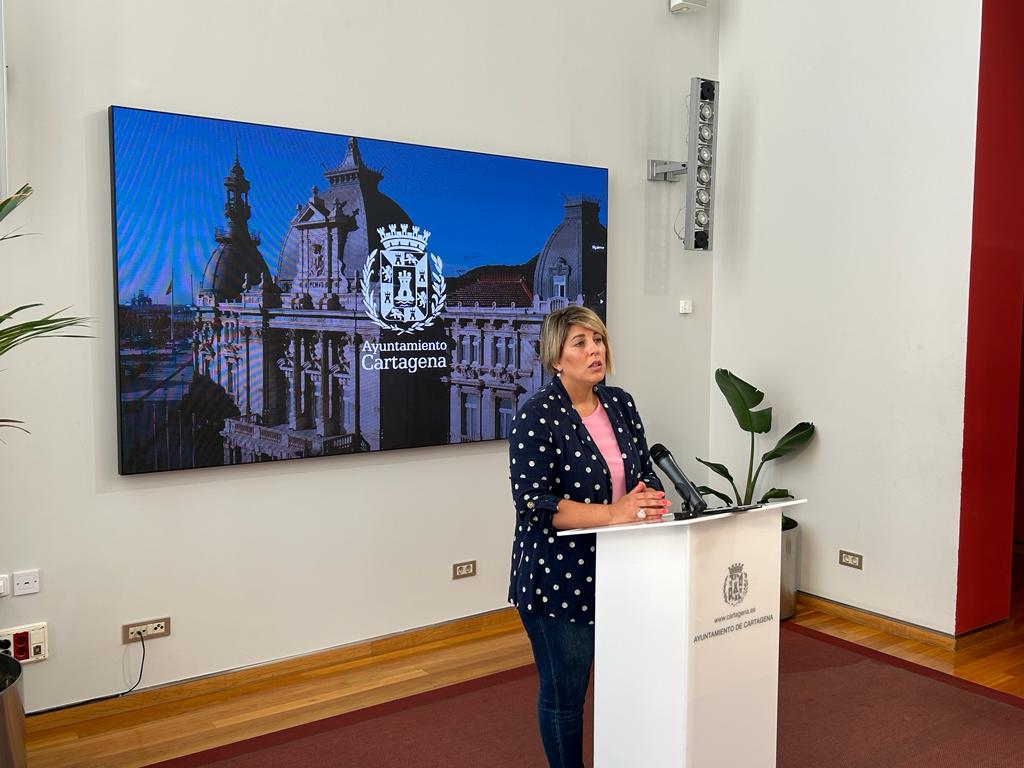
x=600, y=428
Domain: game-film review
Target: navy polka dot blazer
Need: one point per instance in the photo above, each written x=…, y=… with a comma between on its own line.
x=553, y=457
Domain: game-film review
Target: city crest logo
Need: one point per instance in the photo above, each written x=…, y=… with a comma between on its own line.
x=411, y=291
x=736, y=584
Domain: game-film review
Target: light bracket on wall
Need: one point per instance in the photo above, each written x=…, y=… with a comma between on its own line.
x=699, y=169
x=665, y=170
x=686, y=6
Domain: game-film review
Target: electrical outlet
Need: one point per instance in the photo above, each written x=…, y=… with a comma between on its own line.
x=150, y=629
x=851, y=559
x=464, y=570
x=26, y=643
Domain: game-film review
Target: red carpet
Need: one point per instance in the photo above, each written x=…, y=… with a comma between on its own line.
x=839, y=705
x=843, y=705
x=482, y=723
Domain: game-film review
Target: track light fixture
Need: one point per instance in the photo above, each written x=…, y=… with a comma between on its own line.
x=699, y=168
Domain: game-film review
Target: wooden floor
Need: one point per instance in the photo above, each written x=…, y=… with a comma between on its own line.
x=992, y=657
x=155, y=725
x=150, y=726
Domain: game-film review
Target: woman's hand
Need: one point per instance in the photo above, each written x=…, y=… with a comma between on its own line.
x=639, y=504
x=642, y=503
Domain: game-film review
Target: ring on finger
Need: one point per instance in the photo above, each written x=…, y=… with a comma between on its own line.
x=641, y=514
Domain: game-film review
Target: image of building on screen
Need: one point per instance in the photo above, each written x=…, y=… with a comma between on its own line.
x=354, y=335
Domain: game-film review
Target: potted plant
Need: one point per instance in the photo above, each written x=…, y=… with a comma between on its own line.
x=743, y=398
x=13, y=334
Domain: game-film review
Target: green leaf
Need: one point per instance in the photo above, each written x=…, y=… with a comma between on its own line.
x=8, y=204
x=718, y=469
x=775, y=493
x=706, y=491
x=16, y=310
x=13, y=334
x=50, y=326
x=16, y=234
x=793, y=440
x=722, y=470
x=743, y=398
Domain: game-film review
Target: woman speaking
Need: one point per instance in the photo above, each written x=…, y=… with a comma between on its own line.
x=577, y=458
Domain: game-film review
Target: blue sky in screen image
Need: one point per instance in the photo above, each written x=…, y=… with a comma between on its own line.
x=169, y=184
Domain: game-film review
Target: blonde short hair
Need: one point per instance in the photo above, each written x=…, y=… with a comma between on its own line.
x=555, y=329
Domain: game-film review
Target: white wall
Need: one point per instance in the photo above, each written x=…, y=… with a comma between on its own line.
x=260, y=562
x=841, y=275
x=3, y=110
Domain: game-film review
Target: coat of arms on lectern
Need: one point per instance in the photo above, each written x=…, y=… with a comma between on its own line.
x=736, y=585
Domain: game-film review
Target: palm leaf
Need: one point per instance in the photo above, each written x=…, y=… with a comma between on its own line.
x=49, y=326
x=707, y=491
x=793, y=440
x=14, y=234
x=743, y=398
x=718, y=469
x=775, y=493
x=12, y=424
x=16, y=310
x=8, y=204
x=722, y=470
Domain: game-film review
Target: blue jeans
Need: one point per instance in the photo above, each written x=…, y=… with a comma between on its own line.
x=564, y=653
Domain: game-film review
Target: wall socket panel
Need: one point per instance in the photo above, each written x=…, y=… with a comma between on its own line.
x=149, y=628
x=26, y=582
x=464, y=570
x=851, y=559
x=26, y=643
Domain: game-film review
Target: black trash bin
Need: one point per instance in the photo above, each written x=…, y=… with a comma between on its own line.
x=12, y=714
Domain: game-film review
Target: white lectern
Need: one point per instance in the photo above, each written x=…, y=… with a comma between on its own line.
x=686, y=668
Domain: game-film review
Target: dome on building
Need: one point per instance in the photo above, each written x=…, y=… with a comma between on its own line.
x=352, y=190
x=236, y=259
x=229, y=266
x=573, y=262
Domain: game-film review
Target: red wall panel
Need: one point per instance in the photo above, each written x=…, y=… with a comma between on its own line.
x=993, y=325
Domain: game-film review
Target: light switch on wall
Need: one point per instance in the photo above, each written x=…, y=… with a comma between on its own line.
x=5, y=585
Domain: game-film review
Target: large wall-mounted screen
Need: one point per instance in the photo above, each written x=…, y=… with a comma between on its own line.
x=286, y=293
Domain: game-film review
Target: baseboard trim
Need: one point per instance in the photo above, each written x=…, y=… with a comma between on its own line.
x=494, y=622
x=880, y=622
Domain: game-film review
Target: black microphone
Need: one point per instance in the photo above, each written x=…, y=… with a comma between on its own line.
x=692, y=500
